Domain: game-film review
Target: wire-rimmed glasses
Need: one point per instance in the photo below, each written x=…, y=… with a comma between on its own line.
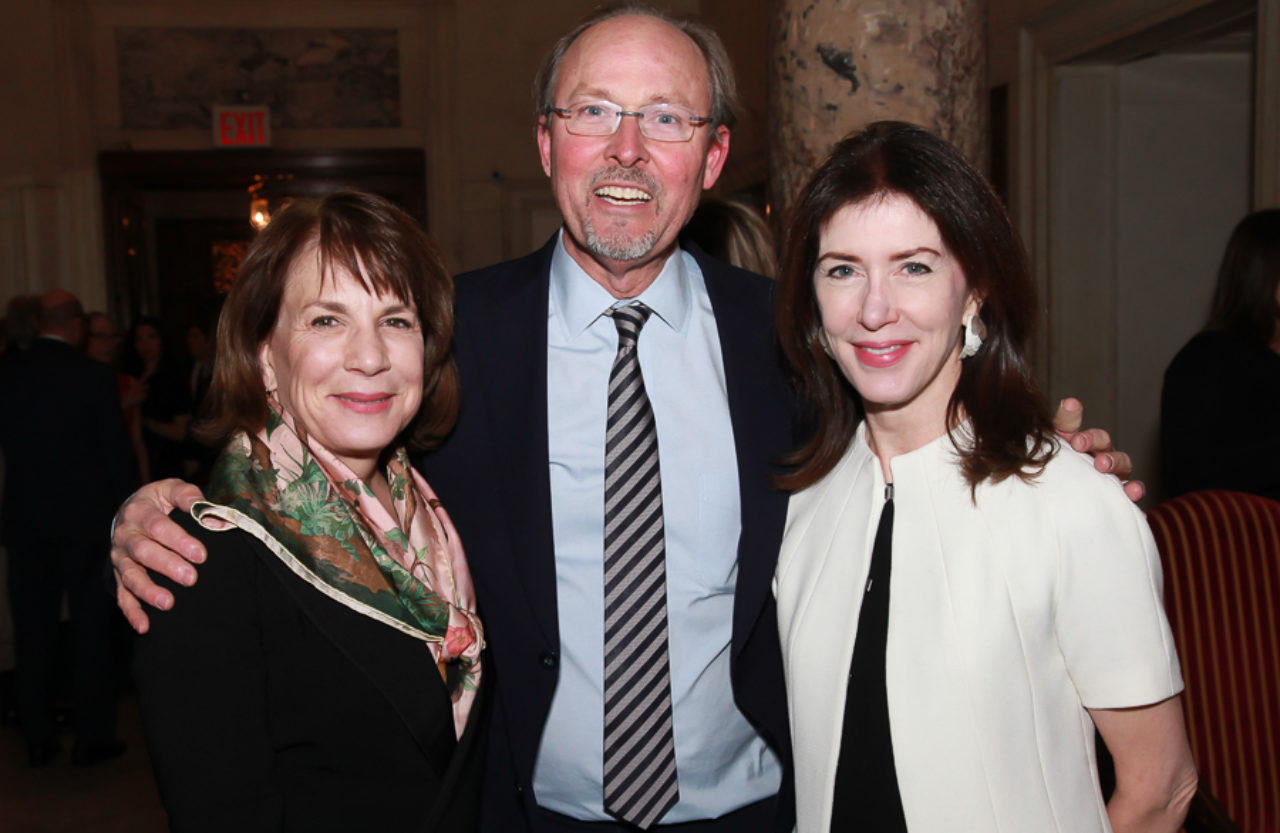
x=661, y=121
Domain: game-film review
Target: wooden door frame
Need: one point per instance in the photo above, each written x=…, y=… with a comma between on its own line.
x=397, y=173
x=1069, y=31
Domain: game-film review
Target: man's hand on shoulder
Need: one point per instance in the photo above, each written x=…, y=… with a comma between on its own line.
x=145, y=538
x=1096, y=441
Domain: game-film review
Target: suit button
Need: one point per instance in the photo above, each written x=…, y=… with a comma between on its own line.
x=548, y=659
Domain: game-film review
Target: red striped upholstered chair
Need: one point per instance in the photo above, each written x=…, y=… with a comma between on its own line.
x=1221, y=554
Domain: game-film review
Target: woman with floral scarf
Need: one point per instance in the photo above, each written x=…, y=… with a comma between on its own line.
x=325, y=672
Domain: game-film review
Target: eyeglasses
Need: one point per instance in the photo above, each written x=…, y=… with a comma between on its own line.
x=661, y=122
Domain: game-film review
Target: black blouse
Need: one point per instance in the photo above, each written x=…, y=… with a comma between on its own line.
x=866, y=796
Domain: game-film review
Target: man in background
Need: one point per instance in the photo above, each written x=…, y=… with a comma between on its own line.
x=67, y=466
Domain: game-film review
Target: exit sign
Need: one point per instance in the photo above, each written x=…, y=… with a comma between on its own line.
x=242, y=127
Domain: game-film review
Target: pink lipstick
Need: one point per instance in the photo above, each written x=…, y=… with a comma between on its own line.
x=881, y=353
x=364, y=403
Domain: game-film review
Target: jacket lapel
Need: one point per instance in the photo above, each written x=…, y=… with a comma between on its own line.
x=397, y=664
x=760, y=411
x=513, y=381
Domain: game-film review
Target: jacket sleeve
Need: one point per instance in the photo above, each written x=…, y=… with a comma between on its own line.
x=1108, y=610
x=201, y=675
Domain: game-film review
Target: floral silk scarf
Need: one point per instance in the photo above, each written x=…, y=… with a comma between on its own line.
x=405, y=569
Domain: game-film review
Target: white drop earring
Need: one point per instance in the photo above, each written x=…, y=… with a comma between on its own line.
x=974, y=332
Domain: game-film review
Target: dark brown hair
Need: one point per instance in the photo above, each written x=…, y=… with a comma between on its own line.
x=378, y=245
x=1012, y=431
x=1244, y=300
x=724, y=89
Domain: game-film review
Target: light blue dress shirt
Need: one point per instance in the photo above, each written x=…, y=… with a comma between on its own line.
x=722, y=762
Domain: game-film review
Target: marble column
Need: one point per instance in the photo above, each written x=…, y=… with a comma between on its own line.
x=841, y=64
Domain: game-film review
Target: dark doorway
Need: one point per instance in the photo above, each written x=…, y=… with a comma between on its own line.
x=178, y=221
x=195, y=263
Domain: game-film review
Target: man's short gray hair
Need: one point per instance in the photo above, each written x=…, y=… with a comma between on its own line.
x=724, y=90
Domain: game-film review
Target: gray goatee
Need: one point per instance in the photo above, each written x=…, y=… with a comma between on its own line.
x=621, y=246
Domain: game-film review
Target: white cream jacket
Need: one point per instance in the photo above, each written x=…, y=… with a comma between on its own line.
x=1007, y=618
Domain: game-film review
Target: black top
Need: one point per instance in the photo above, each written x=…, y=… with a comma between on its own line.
x=269, y=706
x=866, y=794
x=168, y=397
x=1220, y=417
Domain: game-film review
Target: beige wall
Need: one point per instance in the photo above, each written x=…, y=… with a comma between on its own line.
x=1150, y=173
x=466, y=72
x=1184, y=128
x=27, y=61
x=31, y=162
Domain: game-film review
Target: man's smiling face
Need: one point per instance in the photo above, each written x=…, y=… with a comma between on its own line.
x=625, y=197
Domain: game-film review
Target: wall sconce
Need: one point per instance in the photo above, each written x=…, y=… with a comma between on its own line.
x=259, y=215
x=262, y=198
x=259, y=206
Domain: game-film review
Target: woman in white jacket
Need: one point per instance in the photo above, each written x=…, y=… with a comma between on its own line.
x=961, y=600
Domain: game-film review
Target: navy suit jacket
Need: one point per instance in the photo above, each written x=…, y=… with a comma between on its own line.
x=493, y=476
x=65, y=446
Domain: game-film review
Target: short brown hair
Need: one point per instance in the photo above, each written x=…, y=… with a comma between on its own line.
x=1012, y=431
x=724, y=89
x=378, y=245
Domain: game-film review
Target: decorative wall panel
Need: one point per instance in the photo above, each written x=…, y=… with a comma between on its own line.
x=311, y=78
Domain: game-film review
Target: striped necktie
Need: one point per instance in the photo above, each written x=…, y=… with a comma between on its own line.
x=639, y=744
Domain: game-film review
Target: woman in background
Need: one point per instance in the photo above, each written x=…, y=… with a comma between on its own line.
x=1225, y=383
x=166, y=406
x=961, y=600
x=734, y=232
x=197, y=454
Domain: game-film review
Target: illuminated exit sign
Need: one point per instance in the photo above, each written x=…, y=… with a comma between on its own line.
x=242, y=126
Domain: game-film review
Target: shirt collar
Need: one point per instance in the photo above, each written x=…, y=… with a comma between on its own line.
x=577, y=300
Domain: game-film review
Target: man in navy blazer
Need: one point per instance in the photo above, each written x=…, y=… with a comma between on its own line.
x=493, y=476
x=610, y=95
x=68, y=464
x=624, y=195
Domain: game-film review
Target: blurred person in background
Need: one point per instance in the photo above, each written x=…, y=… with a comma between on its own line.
x=67, y=464
x=197, y=454
x=101, y=338
x=102, y=344
x=166, y=408
x=734, y=232
x=20, y=323
x=1225, y=383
